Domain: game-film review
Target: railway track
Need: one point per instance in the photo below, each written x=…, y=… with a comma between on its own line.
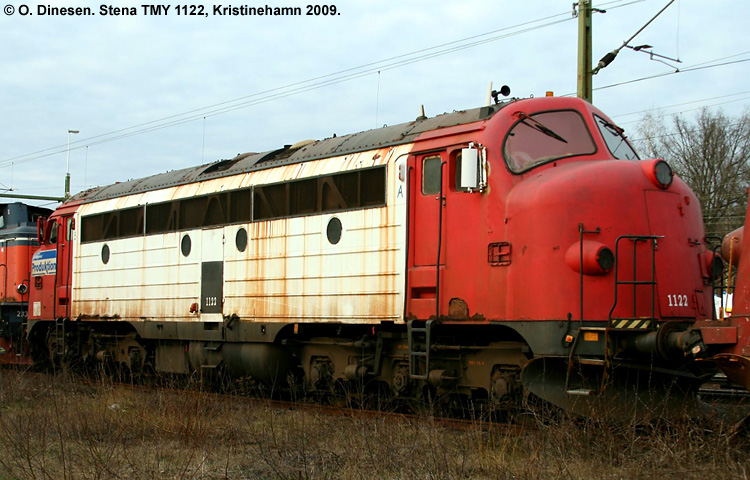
x=720, y=397
x=309, y=404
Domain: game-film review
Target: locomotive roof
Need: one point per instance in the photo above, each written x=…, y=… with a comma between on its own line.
x=357, y=142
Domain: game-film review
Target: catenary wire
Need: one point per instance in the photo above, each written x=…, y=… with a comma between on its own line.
x=296, y=87
x=270, y=95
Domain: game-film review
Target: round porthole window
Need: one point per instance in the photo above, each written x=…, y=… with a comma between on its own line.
x=334, y=230
x=105, y=254
x=241, y=239
x=186, y=245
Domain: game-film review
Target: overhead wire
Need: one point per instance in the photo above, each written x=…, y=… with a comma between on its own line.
x=295, y=88
x=683, y=104
x=682, y=70
x=302, y=86
x=343, y=76
x=674, y=134
x=696, y=67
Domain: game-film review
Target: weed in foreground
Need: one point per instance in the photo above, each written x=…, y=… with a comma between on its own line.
x=52, y=427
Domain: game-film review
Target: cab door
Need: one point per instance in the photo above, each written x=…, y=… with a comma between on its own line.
x=429, y=210
x=64, y=227
x=429, y=187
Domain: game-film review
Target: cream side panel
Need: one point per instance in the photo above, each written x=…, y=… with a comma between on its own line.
x=288, y=272
x=144, y=277
x=291, y=272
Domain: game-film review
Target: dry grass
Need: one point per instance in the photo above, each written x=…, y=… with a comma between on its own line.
x=53, y=428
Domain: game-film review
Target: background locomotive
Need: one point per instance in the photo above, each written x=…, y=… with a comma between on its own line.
x=460, y=257
x=18, y=241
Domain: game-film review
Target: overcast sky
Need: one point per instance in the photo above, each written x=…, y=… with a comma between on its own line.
x=235, y=84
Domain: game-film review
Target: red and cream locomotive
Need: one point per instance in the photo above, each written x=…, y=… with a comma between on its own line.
x=481, y=255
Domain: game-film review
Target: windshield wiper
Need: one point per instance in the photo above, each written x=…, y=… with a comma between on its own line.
x=620, y=132
x=537, y=125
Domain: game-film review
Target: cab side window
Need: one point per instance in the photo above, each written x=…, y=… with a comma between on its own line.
x=457, y=174
x=52, y=232
x=69, y=227
x=431, y=167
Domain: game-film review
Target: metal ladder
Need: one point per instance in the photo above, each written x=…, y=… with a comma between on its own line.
x=419, y=336
x=585, y=361
x=627, y=322
x=613, y=323
x=60, y=337
x=23, y=340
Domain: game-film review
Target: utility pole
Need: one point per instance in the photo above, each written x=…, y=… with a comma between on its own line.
x=585, y=88
x=585, y=72
x=67, y=169
x=44, y=197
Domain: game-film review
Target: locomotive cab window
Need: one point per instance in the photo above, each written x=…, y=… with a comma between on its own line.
x=69, y=227
x=543, y=137
x=456, y=173
x=431, y=167
x=615, y=139
x=52, y=232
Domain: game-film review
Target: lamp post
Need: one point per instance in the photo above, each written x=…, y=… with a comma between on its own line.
x=67, y=169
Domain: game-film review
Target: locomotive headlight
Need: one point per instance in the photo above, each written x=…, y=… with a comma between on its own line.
x=663, y=173
x=22, y=289
x=659, y=172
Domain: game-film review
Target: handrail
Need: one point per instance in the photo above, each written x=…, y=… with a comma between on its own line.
x=635, y=282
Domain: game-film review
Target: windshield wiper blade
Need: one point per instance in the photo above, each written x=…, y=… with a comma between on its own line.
x=612, y=128
x=537, y=125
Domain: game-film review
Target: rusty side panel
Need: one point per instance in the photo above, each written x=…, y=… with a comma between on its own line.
x=289, y=270
x=145, y=277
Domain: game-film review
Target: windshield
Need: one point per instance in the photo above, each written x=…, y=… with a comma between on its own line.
x=614, y=137
x=543, y=137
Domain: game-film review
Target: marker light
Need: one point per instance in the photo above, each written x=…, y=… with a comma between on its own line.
x=598, y=259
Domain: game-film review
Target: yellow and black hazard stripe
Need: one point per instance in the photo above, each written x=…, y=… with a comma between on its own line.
x=631, y=324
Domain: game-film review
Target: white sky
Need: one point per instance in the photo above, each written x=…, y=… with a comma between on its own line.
x=101, y=74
